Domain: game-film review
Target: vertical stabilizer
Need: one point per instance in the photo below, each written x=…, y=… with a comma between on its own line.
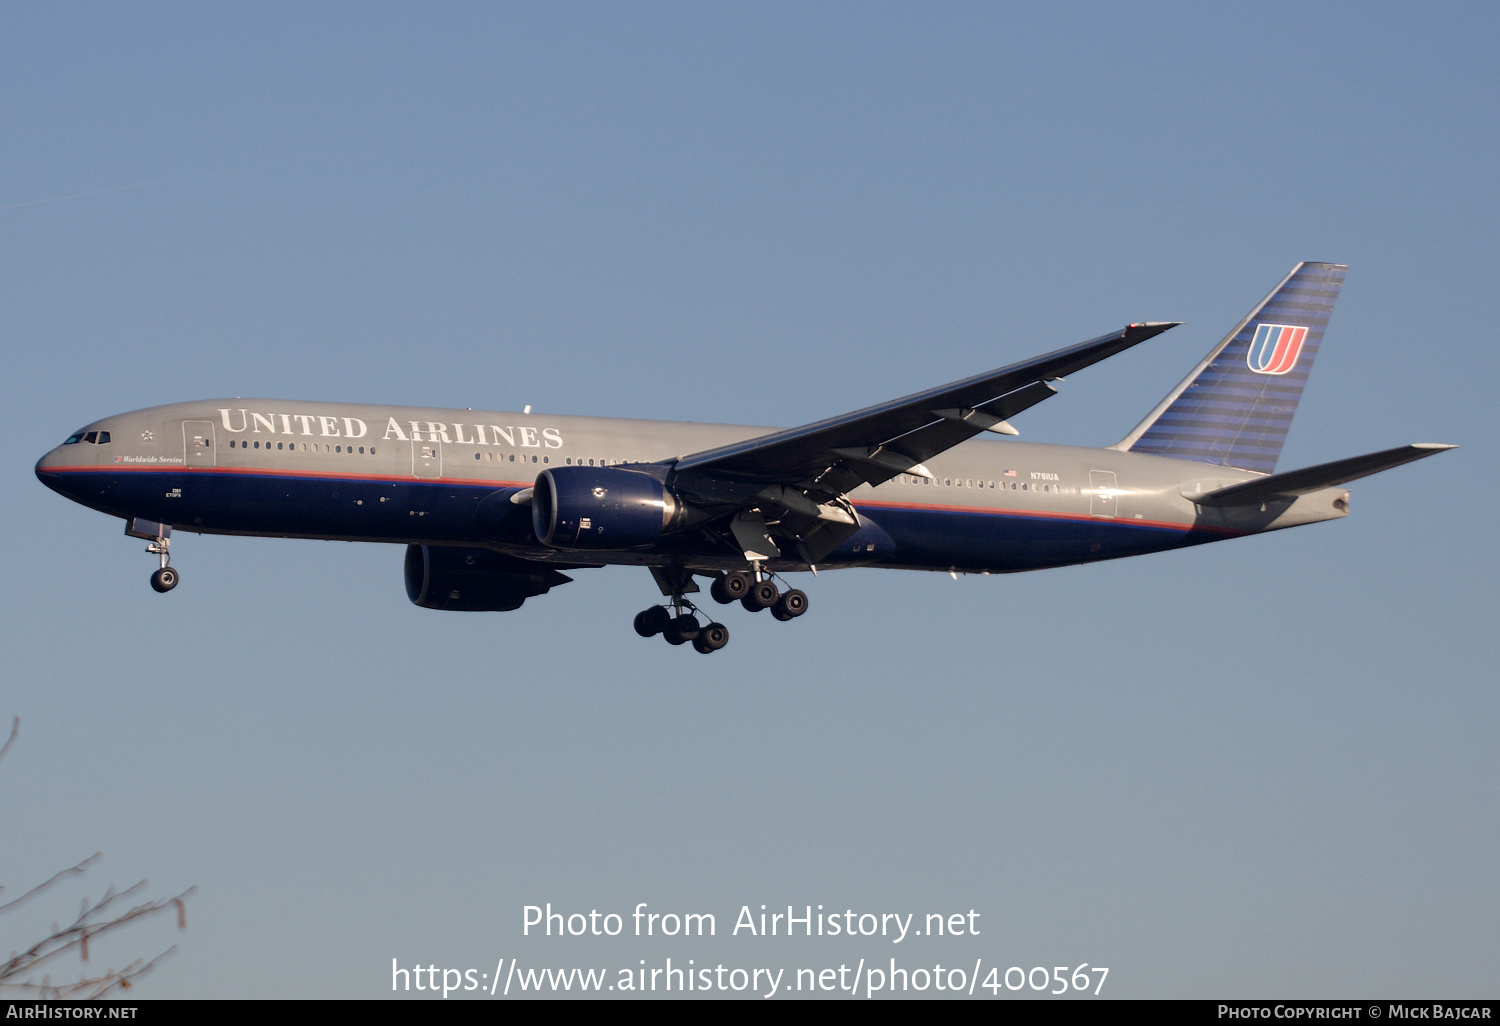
x=1234, y=409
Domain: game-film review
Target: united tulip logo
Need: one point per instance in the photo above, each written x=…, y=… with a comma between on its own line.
x=1275, y=348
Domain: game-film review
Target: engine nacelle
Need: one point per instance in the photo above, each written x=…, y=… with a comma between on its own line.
x=473, y=580
x=600, y=508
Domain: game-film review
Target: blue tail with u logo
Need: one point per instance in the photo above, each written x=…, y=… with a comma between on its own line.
x=1236, y=406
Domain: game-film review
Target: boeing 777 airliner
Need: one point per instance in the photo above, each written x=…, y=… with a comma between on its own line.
x=492, y=507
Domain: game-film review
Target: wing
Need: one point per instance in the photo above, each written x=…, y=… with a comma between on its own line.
x=828, y=458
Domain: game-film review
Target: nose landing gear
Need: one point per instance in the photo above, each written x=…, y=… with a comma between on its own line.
x=165, y=578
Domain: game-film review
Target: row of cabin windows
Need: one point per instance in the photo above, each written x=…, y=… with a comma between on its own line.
x=500, y=457
x=92, y=437
x=305, y=448
x=961, y=482
x=570, y=461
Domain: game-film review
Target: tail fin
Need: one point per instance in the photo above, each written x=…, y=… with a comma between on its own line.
x=1234, y=409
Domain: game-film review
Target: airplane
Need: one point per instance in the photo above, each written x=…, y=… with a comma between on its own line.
x=493, y=507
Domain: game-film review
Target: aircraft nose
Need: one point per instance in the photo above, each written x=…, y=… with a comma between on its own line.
x=48, y=470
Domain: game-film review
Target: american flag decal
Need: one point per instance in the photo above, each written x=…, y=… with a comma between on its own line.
x=1275, y=348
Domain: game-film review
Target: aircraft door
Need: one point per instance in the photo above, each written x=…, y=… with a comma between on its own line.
x=1102, y=493
x=427, y=458
x=198, y=443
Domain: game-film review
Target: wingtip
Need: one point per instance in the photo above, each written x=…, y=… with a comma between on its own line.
x=1142, y=330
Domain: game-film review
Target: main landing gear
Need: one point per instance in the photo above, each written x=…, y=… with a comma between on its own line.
x=678, y=620
x=679, y=625
x=754, y=594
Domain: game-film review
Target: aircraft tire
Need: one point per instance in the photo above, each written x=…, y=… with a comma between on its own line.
x=674, y=639
x=650, y=622
x=737, y=585
x=720, y=595
x=793, y=604
x=164, y=580
x=762, y=595
x=685, y=627
x=712, y=638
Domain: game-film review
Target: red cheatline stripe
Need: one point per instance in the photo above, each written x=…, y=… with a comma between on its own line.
x=115, y=468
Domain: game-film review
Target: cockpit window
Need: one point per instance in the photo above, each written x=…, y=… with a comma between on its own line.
x=91, y=437
x=104, y=438
x=74, y=439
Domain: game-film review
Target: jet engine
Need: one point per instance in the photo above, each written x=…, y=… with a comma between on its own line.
x=474, y=580
x=601, y=508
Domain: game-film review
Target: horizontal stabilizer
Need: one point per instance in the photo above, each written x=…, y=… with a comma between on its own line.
x=1324, y=475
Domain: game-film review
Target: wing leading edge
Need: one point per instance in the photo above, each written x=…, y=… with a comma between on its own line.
x=878, y=442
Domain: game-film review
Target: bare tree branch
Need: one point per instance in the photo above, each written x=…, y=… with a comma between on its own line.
x=17, y=973
x=15, y=727
x=81, y=868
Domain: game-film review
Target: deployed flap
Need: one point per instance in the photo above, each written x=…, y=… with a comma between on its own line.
x=899, y=429
x=749, y=530
x=1324, y=475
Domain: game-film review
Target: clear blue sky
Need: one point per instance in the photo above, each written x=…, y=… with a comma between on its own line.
x=1266, y=767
